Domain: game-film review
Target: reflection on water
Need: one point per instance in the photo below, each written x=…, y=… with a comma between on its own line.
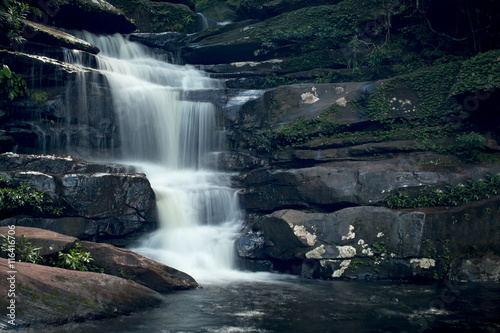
x=270, y=303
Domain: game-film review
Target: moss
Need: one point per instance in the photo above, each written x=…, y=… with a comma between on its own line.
x=480, y=72
x=420, y=95
x=311, y=27
x=157, y=17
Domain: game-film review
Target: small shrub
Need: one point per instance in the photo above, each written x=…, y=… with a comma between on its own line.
x=25, y=200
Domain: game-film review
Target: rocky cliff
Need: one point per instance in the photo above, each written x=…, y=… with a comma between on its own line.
x=364, y=135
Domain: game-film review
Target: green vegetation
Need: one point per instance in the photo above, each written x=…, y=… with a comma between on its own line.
x=157, y=16
x=25, y=200
x=451, y=196
x=481, y=72
x=12, y=85
x=76, y=259
x=24, y=251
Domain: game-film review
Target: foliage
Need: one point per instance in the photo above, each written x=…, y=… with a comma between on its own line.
x=467, y=145
x=24, y=251
x=481, y=72
x=452, y=196
x=11, y=14
x=25, y=200
x=157, y=16
x=76, y=259
x=12, y=85
x=431, y=87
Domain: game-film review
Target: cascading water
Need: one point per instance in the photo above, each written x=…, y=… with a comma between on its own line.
x=171, y=139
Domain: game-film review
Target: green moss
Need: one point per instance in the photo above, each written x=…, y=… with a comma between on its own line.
x=152, y=16
x=480, y=72
x=312, y=27
x=419, y=95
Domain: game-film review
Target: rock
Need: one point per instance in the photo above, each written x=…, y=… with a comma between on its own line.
x=49, y=295
x=339, y=184
x=158, y=17
x=97, y=16
x=129, y=265
x=49, y=242
x=479, y=270
x=57, y=164
x=56, y=84
x=96, y=205
x=50, y=36
x=370, y=241
x=168, y=41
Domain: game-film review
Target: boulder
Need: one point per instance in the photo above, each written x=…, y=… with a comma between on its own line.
x=129, y=265
x=97, y=16
x=49, y=242
x=479, y=269
x=49, y=295
x=96, y=205
x=379, y=242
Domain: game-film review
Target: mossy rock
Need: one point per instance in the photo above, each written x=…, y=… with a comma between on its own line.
x=418, y=95
x=157, y=17
x=481, y=72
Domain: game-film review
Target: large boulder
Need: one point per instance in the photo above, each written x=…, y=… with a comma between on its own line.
x=49, y=295
x=48, y=242
x=378, y=242
x=129, y=265
x=96, y=203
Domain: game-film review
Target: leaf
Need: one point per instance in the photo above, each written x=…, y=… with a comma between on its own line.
x=6, y=71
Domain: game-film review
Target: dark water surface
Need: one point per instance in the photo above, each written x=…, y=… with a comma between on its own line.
x=286, y=304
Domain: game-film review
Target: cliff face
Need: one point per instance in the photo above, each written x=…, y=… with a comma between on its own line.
x=363, y=134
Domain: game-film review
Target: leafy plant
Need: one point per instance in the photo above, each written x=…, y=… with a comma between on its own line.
x=12, y=85
x=76, y=259
x=452, y=196
x=25, y=251
x=25, y=200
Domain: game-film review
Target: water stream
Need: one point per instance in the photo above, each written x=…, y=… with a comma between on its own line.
x=171, y=140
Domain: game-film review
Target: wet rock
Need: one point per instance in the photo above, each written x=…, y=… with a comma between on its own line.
x=129, y=265
x=97, y=203
x=57, y=164
x=479, y=270
x=49, y=295
x=50, y=36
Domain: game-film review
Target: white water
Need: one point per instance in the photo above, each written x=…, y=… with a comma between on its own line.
x=170, y=140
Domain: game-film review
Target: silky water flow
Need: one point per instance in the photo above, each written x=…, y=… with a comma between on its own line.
x=170, y=140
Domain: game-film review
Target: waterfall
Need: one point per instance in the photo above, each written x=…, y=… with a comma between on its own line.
x=170, y=140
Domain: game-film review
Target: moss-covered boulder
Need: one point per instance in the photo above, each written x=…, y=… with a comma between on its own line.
x=152, y=16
